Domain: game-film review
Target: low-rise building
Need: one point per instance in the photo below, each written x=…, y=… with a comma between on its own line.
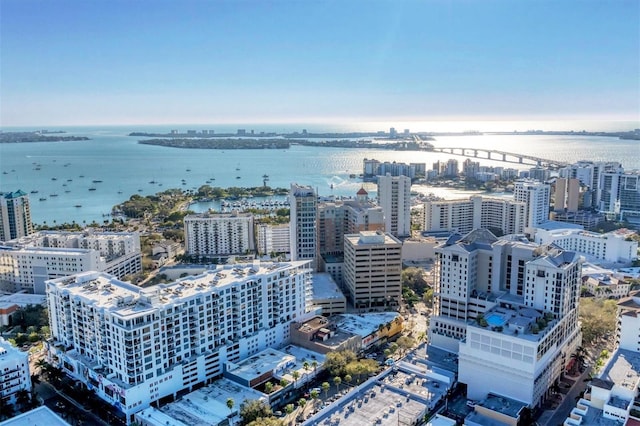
x=273, y=238
x=615, y=246
x=497, y=410
x=26, y=263
x=14, y=372
x=320, y=334
x=38, y=416
x=606, y=285
x=327, y=296
x=371, y=327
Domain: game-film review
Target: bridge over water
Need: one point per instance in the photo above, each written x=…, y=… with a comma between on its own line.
x=495, y=155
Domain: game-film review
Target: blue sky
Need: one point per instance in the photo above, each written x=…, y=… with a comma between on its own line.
x=139, y=61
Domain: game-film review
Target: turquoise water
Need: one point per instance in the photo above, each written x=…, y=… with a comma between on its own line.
x=495, y=320
x=125, y=167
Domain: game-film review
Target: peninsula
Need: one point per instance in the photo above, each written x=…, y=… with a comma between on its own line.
x=20, y=137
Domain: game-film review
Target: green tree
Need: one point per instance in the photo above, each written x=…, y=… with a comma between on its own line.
x=284, y=383
x=599, y=319
x=296, y=376
x=325, y=387
x=266, y=421
x=348, y=378
x=268, y=387
x=230, y=404
x=253, y=409
x=335, y=362
x=405, y=343
x=337, y=381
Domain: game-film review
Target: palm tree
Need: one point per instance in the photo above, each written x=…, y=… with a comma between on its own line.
x=348, y=378
x=325, y=387
x=296, y=376
x=337, y=381
x=314, y=364
x=268, y=387
x=305, y=366
x=230, y=404
x=314, y=394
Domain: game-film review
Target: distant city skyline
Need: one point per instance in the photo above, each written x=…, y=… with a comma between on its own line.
x=119, y=62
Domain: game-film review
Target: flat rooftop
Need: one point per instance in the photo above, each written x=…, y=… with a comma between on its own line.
x=37, y=417
x=324, y=287
x=302, y=356
x=503, y=405
x=127, y=299
x=395, y=394
x=261, y=363
x=363, y=324
x=23, y=299
x=623, y=369
x=365, y=238
x=594, y=417
x=207, y=406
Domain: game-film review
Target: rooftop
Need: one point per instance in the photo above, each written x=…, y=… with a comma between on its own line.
x=324, y=287
x=11, y=353
x=206, y=406
x=126, y=299
x=503, y=405
x=23, y=299
x=396, y=395
x=363, y=324
x=623, y=369
x=36, y=417
x=371, y=238
x=261, y=363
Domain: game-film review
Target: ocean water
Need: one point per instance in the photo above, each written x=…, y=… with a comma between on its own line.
x=125, y=167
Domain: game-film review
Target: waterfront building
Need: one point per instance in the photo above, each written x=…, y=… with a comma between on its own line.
x=500, y=215
x=273, y=238
x=219, y=234
x=536, y=197
x=15, y=215
x=14, y=372
x=394, y=197
x=26, y=263
x=372, y=269
x=135, y=346
x=615, y=246
x=303, y=202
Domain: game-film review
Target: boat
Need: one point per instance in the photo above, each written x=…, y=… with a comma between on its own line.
x=78, y=205
x=54, y=178
x=64, y=184
x=53, y=195
x=188, y=170
x=81, y=176
x=93, y=188
x=238, y=177
x=34, y=191
x=152, y=182
x=5, y=173
x=43, y=199
x=119, y=192
x=69, y=180
x=67, y=191
x=96, y=181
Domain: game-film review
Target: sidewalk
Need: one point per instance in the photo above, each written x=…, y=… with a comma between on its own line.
x=562, y=411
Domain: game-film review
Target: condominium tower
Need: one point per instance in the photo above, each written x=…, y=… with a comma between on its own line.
x=303, y=202
x=394, y=196
x=134, y=346
x=219, y=234
x=536, y=196
x=15, y=215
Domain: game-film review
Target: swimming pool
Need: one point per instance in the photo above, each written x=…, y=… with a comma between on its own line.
x=495, y=320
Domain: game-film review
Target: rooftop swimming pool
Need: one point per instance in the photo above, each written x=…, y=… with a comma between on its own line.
x=496, y=320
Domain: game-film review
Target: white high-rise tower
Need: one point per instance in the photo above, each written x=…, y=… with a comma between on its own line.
x=394, y=196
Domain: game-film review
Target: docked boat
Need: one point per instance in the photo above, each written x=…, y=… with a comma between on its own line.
x=93, y=188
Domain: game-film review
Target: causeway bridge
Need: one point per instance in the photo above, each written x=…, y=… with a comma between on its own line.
x=495, y=155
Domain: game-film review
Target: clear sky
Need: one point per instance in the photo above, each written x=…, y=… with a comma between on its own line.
x=141, y=61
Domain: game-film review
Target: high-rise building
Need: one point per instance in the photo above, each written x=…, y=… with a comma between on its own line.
x=567, y=195
x=510, y=310
x=303, y=202
x=372, y=269
x=463, y=216
x=134, y=346
x=219, y=234
x=15, y=215
x=14, y=372
x=347, y=216
x=394, y=196
x=536, y=195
